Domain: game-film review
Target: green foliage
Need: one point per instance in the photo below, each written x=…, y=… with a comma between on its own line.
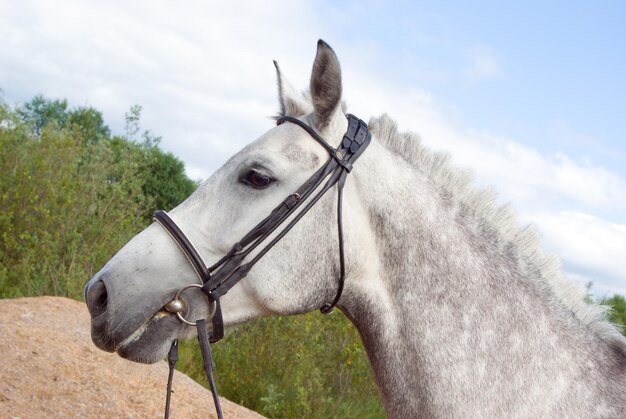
x=293, y=367
x=72, y=195
x=90, y=124
x=166, y=185
x=616, y=304
x=163, y=179
x=617, y=314
x=133, y=124
x=40, y=112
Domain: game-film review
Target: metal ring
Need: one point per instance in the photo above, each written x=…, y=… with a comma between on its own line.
x=178, y=296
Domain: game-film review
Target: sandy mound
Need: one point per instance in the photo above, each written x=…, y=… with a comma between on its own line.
x=50, y=368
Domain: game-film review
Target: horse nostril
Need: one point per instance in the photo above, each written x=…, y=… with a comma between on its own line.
x=97, y=298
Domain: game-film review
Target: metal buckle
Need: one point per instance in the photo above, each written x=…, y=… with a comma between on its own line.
x=177, y=305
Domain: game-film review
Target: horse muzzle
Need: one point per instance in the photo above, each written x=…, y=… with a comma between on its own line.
x=116, y=321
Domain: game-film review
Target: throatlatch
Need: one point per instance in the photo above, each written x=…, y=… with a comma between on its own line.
x=217, y=279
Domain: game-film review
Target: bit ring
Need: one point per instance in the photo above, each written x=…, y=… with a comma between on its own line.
x=177, y=305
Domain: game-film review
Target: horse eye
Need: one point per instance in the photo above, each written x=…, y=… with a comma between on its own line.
x=257, y=180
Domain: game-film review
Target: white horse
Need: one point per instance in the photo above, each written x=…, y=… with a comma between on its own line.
x=459, y=311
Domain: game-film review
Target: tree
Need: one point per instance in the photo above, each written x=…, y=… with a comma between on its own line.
x=40, y=112
x=617, y=314
x=71, y=195
x=163, y=175
x=90, y=123
x=164, y=179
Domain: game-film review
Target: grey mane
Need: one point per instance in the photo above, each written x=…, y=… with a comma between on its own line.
x=481, y=209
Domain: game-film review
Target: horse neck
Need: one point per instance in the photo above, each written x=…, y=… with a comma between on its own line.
x=455, y=317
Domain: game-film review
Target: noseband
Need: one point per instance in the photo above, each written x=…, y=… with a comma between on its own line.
x=216, y=280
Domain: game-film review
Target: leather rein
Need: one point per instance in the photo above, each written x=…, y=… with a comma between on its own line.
x=218, y=279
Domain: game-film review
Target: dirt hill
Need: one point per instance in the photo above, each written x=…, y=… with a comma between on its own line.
x=51, y=369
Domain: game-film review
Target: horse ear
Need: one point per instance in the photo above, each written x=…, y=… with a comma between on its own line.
x=292, y=103
x=325, y=84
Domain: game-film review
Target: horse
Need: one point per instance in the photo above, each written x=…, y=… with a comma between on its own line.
x=459, y=310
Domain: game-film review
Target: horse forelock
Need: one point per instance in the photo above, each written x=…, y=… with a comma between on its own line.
x=481, y=204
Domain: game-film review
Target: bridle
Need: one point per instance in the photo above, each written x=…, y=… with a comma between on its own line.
x=216, y=280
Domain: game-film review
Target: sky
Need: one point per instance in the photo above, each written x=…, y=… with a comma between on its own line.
x=530, y=95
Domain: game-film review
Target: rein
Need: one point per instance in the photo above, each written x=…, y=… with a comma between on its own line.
x=218, y=279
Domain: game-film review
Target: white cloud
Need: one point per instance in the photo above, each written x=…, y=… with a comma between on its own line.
x=587, y=245
x=204, y=76
x=484, y=64
x=203, y=72
x=520, y=173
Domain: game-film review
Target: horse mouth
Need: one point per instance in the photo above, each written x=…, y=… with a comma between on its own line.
x=142, y=329
x=151, y=341
x=146, y=344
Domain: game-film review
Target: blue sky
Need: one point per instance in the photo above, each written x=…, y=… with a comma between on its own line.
x=561, y=66
x=528, y=95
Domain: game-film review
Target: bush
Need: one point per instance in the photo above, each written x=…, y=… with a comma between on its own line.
x=292, y=367
x=63, y=216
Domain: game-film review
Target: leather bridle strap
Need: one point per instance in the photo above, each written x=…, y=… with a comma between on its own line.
x=209, y=365
x=184, y=244
x=209, y=368
x=172, y=358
